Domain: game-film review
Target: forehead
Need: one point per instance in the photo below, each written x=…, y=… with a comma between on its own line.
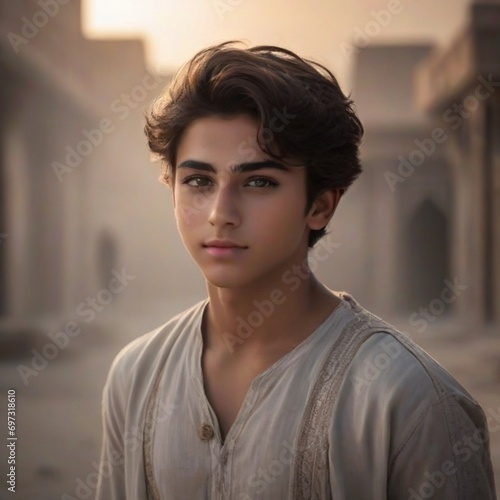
x=221, y=139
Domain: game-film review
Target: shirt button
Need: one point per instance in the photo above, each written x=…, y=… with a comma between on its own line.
x=206, y=432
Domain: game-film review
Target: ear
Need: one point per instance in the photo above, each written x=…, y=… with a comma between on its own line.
x=323, y=208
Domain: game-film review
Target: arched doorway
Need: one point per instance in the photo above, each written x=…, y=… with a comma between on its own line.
x=427, y=255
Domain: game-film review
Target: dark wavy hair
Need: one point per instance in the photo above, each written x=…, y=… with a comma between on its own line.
x=321, y=130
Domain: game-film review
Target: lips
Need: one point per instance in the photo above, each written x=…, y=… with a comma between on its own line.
x=222, y=244
x=224, y=249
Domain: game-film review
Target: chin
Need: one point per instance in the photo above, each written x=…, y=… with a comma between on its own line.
x=224, y=282
x=227, y=279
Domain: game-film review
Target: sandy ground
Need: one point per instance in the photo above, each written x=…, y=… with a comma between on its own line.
x=58, y=411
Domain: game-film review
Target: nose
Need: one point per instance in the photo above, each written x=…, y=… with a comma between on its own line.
x=224, y=210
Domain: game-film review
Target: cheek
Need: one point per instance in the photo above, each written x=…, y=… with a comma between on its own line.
x=281, y=224
x=190, y=210
x=186, y=221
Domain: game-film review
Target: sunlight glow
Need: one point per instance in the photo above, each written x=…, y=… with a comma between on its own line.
x=174, y=30
x=110, y=17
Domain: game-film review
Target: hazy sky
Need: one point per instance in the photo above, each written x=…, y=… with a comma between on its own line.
x=320, y=29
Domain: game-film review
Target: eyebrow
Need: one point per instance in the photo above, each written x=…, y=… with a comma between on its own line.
x=235, y=169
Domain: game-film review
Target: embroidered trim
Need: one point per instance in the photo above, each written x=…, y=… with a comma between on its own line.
x=150, y=415
x=311, y=461
x=152, y=490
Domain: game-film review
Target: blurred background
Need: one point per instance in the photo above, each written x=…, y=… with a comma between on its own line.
x=89, y=254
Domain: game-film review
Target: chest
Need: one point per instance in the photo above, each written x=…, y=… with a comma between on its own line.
x=259, y=411
x=226, y=387
x=258, y=422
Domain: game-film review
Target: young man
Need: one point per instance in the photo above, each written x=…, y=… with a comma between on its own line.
x=275, y=387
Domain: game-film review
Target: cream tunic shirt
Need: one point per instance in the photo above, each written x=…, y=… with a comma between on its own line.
x=356, y=411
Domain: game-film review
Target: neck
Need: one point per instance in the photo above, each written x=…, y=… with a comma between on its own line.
x=269, y=313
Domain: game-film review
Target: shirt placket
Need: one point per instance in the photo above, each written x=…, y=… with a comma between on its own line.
x=222, y=453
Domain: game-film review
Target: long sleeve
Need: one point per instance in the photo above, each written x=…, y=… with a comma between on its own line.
x=445, y=455
x=111, y=485
x=404, y=428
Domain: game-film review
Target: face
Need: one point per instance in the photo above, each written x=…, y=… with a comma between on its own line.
x=240, y=214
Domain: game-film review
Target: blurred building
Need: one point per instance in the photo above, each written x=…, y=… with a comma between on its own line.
x=405, y=215
x=428, y=241
x=460, y=87
x=79, y=199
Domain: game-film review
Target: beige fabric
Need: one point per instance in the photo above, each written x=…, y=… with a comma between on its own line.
x=357, y=411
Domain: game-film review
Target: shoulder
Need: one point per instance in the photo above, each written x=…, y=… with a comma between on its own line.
x=389, y=360
x=138, y=360
x=395, y=381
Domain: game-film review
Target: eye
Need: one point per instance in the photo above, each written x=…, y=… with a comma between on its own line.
x=197, y=181
x=261, y=182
